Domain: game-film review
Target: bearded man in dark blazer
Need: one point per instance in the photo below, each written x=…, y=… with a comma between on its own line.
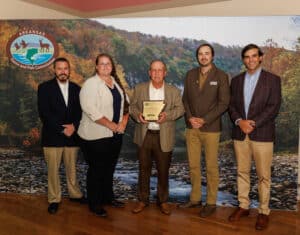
x=254, y=105
x=155, y=140
x=60, y=113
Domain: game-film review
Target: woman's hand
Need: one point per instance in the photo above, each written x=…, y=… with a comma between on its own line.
x=112, y=126
x=121, y=128
x=122, y=125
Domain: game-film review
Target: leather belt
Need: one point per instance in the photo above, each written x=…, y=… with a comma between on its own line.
x=153, y=131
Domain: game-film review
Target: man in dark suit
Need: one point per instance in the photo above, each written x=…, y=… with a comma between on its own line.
x=155, y=140
x=60, y=112
x=254, y=105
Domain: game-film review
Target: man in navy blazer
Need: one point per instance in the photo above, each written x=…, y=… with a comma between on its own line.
x=60, y=112
x=254, y=105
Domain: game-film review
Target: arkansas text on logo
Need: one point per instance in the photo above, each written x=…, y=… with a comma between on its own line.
x=31, y=49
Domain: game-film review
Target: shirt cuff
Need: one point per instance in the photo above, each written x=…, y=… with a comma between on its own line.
x=237, y=121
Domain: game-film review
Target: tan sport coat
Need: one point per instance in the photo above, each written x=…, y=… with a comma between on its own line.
x=174, y=109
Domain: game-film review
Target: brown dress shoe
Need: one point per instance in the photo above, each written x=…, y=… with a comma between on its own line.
x=207, y=210
x=139, y=208
x=190, y=204
x=238, y=213
x=165, y=209
x=262, y=222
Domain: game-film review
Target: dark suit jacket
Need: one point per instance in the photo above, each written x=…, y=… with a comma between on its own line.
x=263, y=108
x=54, y=113
x=210, y=102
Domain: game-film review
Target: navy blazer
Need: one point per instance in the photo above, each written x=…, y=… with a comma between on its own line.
x=54, y=113
x=263, y=109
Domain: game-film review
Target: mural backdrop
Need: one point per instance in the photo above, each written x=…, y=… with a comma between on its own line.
x=133, y=43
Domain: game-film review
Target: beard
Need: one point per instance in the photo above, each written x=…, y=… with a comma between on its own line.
x=205, y=63
x=62, y=77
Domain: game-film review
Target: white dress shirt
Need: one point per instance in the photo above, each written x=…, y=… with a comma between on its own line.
x=155, y=94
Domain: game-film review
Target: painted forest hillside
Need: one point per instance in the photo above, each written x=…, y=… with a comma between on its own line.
x=81, y=40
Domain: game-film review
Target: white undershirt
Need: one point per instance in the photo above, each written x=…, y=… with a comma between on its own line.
x=64, y=88
x=155, y=94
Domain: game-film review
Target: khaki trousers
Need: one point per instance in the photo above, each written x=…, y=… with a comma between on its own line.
x=53, y=156
x=262, y=153
x=195, y=140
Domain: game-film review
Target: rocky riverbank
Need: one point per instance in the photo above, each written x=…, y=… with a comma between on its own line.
x=20, y=173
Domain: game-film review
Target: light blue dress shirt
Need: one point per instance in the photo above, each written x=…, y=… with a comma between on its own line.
x=249, y=87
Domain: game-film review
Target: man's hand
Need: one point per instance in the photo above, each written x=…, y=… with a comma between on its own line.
x=247, y=126
x=69, y=129
x=141, y=119
x=196, y=122
x=162, y=117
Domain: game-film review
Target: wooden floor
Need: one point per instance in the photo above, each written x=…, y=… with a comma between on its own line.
x=27, y=215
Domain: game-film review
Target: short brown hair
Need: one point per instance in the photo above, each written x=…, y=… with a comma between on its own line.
x=249, y=47
x=60, y=59
x=205, y=45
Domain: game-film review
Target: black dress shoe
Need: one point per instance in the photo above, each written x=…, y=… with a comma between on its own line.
x=117, y=204
x=53, y=207
x=81, y=200
x=99, y=211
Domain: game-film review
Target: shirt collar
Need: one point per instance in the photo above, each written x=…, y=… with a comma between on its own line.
x=61, y=84
x=255, y=74
x=101, y=80
x=161, y=88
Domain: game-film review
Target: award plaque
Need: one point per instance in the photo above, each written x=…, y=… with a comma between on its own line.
x=152, y=109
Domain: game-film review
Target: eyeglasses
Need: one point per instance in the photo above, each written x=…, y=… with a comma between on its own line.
x=103, y=64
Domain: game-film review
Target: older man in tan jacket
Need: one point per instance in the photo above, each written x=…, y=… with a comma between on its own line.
x=155, y=140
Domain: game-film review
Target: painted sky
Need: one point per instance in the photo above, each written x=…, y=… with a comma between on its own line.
x=227, y=31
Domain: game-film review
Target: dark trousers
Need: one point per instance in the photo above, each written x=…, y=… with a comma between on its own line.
x=101, y=156
x=149, y=151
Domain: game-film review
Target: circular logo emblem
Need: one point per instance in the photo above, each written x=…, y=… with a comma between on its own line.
x=31, y=49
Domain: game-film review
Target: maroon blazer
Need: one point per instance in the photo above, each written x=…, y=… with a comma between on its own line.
x=263, y=108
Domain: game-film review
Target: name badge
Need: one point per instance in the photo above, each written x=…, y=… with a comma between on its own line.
x=213, y=83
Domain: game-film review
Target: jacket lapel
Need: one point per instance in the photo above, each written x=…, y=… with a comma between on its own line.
x=59, y=93
x=167, y=95
x=210, y=76
x=70, y=90
x=146, y=93
x=241, y=85
x=257, y=90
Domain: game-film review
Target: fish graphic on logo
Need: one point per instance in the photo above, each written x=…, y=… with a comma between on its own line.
x=32, y=49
